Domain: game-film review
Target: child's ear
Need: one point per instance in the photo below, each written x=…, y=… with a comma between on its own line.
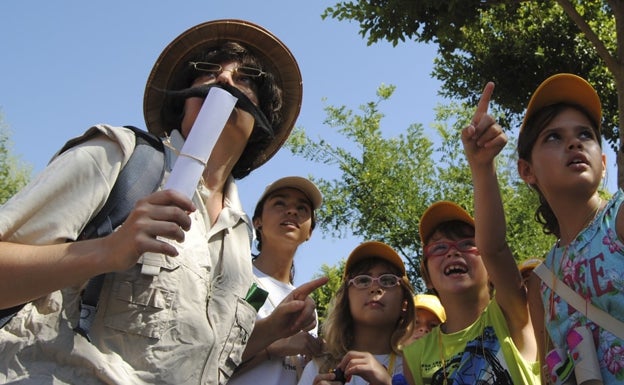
x=525, y=170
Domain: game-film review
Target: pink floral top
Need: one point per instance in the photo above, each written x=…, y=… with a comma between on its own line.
x=593, y=266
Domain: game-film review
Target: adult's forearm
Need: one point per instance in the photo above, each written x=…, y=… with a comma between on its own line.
x=28, y=272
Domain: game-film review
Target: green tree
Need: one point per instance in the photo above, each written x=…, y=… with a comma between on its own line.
x=13, y=174
x=324, y=294
x=517, y=44
x=383, y=185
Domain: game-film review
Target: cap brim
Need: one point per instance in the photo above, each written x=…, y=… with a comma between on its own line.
x=269, y=50
x=431, y=303
x=374, y=249
x=302, y=184
x=438, y=213
x=565, y=88
x=529, y=264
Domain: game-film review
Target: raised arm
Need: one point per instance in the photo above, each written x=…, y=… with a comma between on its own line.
x=483, y=140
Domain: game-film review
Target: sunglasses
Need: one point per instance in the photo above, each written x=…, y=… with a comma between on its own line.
x=365, y=281
x=440, y=248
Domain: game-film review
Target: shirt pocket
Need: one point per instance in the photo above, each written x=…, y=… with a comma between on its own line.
x=236, y=340
x=141, y=304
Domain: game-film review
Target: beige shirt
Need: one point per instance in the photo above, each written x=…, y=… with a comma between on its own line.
x=188, y=325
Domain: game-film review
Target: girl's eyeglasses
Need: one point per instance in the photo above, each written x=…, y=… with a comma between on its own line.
x=216, y=69
x=440, y=248
x=365, y=281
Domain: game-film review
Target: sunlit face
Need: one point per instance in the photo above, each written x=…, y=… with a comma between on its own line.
x=455, y=271
x=286, y=217
x=228, y=76
x=566, y=154
x=376, y=305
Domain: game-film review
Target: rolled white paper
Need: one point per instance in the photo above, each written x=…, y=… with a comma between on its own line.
x=191, y=161
x=198, y=146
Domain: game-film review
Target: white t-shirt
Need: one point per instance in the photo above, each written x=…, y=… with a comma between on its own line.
x=278, y=370
x=312, y=369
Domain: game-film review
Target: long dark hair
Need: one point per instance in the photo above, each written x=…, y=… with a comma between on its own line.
x=534, y=125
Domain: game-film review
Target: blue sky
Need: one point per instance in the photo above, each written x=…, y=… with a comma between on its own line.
x=69, y=64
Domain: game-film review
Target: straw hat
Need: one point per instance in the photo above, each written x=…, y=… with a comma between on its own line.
x=269, y=49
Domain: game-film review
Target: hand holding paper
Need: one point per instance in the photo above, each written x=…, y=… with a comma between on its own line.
x=194, y=155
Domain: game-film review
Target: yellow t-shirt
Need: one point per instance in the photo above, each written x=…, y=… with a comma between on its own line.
x=482, y=353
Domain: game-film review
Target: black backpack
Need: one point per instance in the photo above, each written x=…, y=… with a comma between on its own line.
x=138, y=178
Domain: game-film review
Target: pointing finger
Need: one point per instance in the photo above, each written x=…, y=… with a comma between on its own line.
x=484, y=103
x=304, y=290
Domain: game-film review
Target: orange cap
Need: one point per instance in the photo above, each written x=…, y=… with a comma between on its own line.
x=374, y=249
x=565, y=88
x=431, y=303
x=438, y=213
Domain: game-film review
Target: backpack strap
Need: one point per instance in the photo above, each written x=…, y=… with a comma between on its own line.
x=138, y=178
x=585, y=307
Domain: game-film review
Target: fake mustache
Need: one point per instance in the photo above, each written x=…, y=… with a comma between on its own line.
x=244, y=103
x=191, y=92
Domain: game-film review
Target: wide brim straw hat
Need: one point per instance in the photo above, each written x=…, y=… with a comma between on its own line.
x=267, y=47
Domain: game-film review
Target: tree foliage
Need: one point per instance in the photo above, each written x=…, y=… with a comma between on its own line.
x=13, y=174
x=516, y=44
x=383, y=185
x=323, y=295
